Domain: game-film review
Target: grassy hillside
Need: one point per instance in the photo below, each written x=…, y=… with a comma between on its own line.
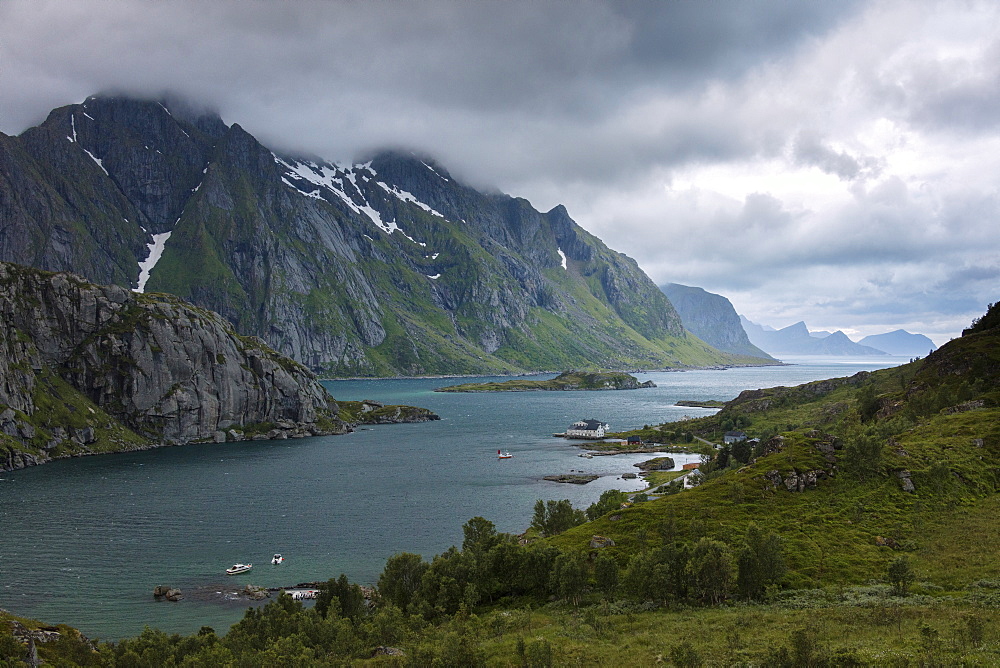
x=871, y=502
x=935, y=422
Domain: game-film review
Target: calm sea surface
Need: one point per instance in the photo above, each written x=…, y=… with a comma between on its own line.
x=84, y=541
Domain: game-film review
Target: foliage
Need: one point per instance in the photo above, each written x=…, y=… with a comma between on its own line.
x=900, y=575
x=760, y=564
x=569, y=577
x=401, y=578
x=990, y=320
x=711, y=571
x=553, y=517
x=606, y=575
x=611, y=500
x=341, y=598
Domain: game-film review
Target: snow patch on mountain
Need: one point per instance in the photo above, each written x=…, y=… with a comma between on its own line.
x=562, y=256
x=335, y=180
x=433, y=170
x=100, y=163
x=408, y=197
x=155, y=252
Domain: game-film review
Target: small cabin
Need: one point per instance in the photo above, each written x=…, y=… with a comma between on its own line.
x=734, y=437
x=690, y=467
x=634, y=440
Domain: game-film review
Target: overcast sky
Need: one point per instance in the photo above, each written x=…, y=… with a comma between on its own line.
x=833, y=162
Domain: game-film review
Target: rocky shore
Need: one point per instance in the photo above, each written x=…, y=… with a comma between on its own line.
x=89, y=369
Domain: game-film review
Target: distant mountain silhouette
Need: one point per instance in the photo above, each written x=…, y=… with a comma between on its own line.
x=900, y=342
x=796, y=340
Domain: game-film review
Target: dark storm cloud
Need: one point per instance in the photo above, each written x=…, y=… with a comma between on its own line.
x=813, y=158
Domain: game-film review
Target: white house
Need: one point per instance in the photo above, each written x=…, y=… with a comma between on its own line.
x=587, y=429
x=734, y=437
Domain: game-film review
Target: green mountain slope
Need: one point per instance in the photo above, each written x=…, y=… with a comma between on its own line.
x=851, y=473
x=389, y=267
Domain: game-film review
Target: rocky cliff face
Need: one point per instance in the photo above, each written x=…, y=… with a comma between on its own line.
x=711, y=318
x=388, y=267
x=88, y=368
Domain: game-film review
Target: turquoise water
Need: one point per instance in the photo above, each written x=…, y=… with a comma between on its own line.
x=84, y=541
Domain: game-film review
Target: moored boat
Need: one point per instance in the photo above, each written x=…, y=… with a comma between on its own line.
x=503, y=455
x=277, y=558
x=238, y=568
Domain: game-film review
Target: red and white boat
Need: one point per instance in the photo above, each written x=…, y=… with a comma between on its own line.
x=503, y=455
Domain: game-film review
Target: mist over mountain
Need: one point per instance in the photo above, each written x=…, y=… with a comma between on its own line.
x=391, y=267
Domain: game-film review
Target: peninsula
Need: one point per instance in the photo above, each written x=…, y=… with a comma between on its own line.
x=568, y=380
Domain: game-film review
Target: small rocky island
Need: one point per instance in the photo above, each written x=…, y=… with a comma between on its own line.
x=707, y=403
x=568, y=380
x=573, y=478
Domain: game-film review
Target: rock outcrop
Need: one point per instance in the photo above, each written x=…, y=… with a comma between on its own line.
x=88, y=368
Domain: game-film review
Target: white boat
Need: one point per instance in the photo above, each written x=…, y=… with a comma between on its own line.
x=277, y=559
x=238, y=568
x=503, y=455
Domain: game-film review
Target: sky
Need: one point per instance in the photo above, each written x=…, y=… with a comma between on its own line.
x=832, y=162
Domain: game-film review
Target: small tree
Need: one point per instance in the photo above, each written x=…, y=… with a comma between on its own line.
x=710, y=570
x=761, y=563
x=868, y=403
x=606, y=574
x=348, y=597
x=553, y=517
x=685, y=655
x=610, y=500
x=400, y=579
x=863, y=454
x=569, y=577
x=480, y=536
x=901, y=576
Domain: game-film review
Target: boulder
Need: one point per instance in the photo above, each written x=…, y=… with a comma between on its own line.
x=773, y=478
x=255, y=593
x=173, y=595
x=886, y=542
x=85, y=435
x=905, y=482
x=597, y=542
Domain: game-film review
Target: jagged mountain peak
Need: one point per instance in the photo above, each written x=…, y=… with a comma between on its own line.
x=391, y=266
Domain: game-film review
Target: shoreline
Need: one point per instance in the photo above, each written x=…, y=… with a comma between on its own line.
x=713, y=367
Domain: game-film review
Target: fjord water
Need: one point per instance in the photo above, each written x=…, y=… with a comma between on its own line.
x=84, y=541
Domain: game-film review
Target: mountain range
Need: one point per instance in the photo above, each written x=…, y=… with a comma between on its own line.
x=797, y=340
x=388, y=267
